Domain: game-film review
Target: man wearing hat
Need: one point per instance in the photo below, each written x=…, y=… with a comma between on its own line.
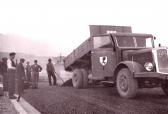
x=35, y=68
x=11, y=68
x=20, y=76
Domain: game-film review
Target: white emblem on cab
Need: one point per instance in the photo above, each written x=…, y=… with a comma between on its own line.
x=103, y=60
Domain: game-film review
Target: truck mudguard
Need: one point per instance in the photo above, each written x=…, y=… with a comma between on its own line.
x=133, y=66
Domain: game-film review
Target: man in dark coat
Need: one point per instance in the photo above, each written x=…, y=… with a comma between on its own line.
x=51, y=72
x=35, y=68
x=11, y=69
x=3, y=69
x=20, y=77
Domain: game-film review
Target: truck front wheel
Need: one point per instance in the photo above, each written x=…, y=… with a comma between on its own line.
x=165, y=88
x=77, y=79
x=127, y=85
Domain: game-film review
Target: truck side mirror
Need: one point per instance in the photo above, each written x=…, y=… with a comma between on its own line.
x=154, y=38
x=159, y=45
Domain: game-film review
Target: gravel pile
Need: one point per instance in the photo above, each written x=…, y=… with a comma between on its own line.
x=95, y=100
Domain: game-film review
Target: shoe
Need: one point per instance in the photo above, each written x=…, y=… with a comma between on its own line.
x=12, y=97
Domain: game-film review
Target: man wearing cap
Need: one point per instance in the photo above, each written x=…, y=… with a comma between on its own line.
x=35, y=68
x=51, y=72
x=11, y=68
x=20, y=76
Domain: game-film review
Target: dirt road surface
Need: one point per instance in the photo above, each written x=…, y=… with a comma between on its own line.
x=94, y=100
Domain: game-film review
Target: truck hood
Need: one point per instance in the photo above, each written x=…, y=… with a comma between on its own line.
x=129, y=53
x=140, y=56
x=157, y=56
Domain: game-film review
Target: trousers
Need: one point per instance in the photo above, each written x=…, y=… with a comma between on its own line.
x=35, y=77
x=51, y=74
x=11, y=81
x=28, y=76
x=5, y=82
x=20, y=86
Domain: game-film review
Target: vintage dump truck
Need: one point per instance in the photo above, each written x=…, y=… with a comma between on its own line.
x=115, y=55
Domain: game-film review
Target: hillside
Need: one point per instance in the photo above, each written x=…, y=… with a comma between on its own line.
x=11, y=42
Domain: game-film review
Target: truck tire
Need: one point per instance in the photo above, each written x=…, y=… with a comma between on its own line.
x=165, y=88
x=85, y=78
x=77, y=78
x=127, y=85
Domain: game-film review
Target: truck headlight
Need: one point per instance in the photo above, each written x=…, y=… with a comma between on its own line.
x=148, y=66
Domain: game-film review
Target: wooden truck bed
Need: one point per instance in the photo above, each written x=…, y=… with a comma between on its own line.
x=78, y=53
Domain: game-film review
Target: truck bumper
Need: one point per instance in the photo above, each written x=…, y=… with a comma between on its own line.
x=151, y=75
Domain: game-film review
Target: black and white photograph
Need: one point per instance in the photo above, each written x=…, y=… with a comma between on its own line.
x=83, y=57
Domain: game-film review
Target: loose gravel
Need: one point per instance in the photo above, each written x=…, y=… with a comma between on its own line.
x=94, y=100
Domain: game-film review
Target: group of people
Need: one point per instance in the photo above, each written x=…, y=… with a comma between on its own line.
x=12, y=71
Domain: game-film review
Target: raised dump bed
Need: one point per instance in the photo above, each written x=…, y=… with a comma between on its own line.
x=77, y=55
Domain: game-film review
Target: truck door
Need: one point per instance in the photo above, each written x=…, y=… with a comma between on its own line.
x=103, y=58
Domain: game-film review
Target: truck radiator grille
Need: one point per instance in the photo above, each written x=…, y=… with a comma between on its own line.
x=162, y=59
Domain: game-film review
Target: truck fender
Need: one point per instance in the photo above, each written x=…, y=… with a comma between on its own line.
x=133, y=66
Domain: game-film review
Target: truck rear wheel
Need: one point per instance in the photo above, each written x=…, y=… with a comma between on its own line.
x=127, y=86
x=165, y=88
x=77, y=78
x=85, y=78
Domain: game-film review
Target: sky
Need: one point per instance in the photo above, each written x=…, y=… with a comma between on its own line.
x=62, y=25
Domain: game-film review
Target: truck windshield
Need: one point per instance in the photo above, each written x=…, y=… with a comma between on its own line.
x=129, y=41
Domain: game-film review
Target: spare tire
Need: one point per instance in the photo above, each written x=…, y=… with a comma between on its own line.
x=77, y=79
x=85, y=78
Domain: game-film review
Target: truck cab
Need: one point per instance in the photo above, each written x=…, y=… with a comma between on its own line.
x=131, y=61
x=128, y=60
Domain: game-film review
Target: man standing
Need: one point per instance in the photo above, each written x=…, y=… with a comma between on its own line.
x=11, y=75
x=3, y=69
x=28, y=72
x=51, y=72
x=35, y=68
x=20, y=76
